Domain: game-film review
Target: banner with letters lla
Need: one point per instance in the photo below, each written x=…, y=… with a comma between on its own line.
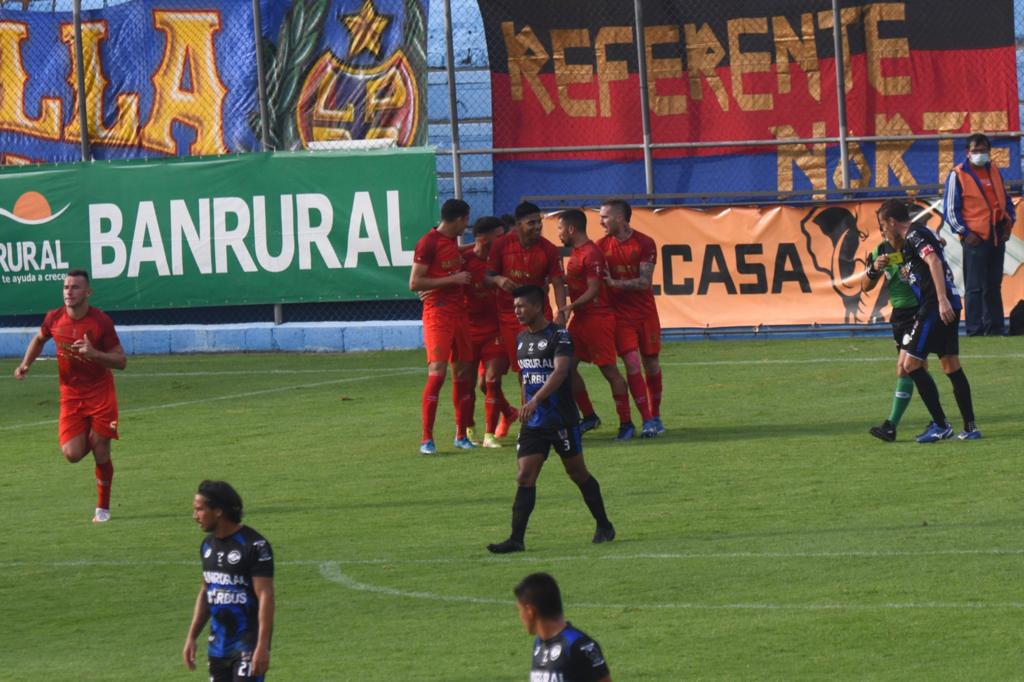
x=567, y=74
x=254, y=228
x=179, y=78
x=774, y=265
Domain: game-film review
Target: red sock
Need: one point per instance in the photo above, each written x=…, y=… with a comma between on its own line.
x=639, y=390
x=491, y=409
x=583, y=402
x=463, y=406
x=104, y=477
x=654, y=390
x=622, y=407
x=429, y=406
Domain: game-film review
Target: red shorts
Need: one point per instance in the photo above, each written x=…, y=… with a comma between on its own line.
x=446, y=338
x=509, y=333
x=593, y=338
x=484, y=346
x=96, y=413
x=643, y=335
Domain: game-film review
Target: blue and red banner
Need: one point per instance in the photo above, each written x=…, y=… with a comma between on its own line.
x=178, y=77
x=566, y=74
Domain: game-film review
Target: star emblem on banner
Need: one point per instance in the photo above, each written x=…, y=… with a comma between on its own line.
x=367, y=28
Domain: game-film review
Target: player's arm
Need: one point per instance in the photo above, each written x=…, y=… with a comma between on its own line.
x=640, y=283
x=558, y=284
x=874, y=272
x=264, y=589
x=200, y=614
x=939, y=280
x=111, y=359
x=35, y=347
x=593, y=289
x=562, y=365
x=418, y=280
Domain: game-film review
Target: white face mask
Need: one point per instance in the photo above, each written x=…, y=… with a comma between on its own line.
x=979, y=158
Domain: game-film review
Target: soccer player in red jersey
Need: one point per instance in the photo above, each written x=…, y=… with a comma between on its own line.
x=87, y=349
x=438, y=275
x=520, y=258
x=486, y=346
x=631, y=257
x=592, y=327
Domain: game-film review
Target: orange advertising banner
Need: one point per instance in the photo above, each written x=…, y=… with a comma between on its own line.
x=779, y=265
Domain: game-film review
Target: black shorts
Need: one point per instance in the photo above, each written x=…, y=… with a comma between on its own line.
x=237, y=668
x=566, y=442
x=931, y=335
x=902, y=321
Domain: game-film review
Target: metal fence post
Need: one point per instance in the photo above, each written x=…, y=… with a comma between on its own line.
x=453, y=104
x=645, y=104
x=837, y=40
x=83, y=118
x=261, y=75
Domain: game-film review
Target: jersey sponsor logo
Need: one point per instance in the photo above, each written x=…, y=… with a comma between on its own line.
x=219, y=578
x=545, y=676
x=234, y=556
x=262, y=550
x=556, y=650
x=542, y=344
x=226, y=597
x=591, y=651
x=535, y=379
x=207, y=553
x=536, y=363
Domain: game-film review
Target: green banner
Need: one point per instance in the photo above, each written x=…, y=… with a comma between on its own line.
x=254, y=228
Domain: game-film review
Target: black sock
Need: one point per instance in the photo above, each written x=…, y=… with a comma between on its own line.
x=929, y=393
x=526, y=498
x=591, y=490
x=962, y=393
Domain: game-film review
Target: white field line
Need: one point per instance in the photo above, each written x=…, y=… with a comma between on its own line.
x=232, y=396
x=331, y=571
x=836, y=360
x=525, y=558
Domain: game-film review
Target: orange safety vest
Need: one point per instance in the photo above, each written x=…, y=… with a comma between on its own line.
x=979, y=216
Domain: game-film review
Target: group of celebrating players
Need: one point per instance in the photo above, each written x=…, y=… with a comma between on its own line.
x=469, y=319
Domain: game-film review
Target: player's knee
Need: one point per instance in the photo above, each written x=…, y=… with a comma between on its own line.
x=526, y=478
x=632, y=362
x=73, y=454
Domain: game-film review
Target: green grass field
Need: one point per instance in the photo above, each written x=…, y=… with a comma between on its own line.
x=765, y=536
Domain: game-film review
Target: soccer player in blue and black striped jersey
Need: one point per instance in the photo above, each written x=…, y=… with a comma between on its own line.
x=237, y=590
x=561, y=653
x=549, y=418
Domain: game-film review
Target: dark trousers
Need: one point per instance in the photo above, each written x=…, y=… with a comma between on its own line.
x=983, y=284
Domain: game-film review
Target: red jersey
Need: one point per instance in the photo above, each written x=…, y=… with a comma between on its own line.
x=624, y=259
x=536, y=264
x=81, y=378
x=481, y=302
x=442, y=257
x=586, y=263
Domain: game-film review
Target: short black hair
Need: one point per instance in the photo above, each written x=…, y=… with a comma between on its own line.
x=78, y=272
x=895, y=209
x=487, y=224
x=574, y=218
x=453, y=209
x=533, y=294
x=220, y=495
x=979, y=138
x=620, y=205
x=526, y=208
x=508, y=221
x=540, y=591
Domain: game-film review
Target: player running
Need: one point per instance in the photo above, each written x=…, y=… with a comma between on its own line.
x=549, y=419
x=936, y=325
x=592, y=327
x=631, y=257
x=237, y=591
x=87, y=349
x=523, y=257
x=486, y=347
x=437, y=272
x=560, y=651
